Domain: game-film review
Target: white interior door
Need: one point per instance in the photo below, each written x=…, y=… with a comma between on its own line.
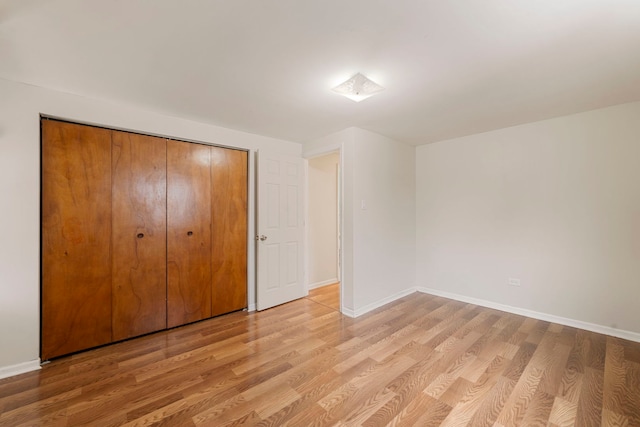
x=280, y=229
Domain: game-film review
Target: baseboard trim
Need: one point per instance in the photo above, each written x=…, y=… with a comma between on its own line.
x=322, y=283
x=251, y=307
x=377, y=304
x=348, y=312
x=19, y=368
x=605, y=330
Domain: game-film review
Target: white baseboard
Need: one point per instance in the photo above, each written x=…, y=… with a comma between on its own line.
x=19, y=368
x=377, y=304
x=620, y=333
x=347, y=312
x=322, y=283
x=252, y=307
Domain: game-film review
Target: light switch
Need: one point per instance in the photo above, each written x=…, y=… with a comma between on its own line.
x=363, y=204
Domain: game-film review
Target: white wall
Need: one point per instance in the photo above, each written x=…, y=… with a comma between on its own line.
x=322, y=220
x=20, y=188
x=555, y=204
x=384, y=231
x=378, y=242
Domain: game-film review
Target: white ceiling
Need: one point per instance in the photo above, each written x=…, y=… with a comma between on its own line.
x=451, y=68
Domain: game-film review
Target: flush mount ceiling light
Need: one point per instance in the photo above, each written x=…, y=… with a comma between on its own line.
x=358, y=88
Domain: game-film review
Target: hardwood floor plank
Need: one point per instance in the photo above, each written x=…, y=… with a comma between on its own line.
x=312, y=416
x=631, y=351
x=198, y=399
x=395, y=342
x=454, y=393
x=433, y=415
x=554, y=369
x=578, y=355
x=328, y=295
x=378, y=373
x=520, y=361
x=313, y=392
x=473, y=396
x=438, y=388
x=250, y=419
x=570, y=385
x=520, y=398
x=614, y=390
x=563, y=413
x=492, y=405
x=419, y=361
x=425, y=372
x=590, y=402
x=632, y=392
x=224, y=412
x=610, y=418
x=408, y=386
x=539, y=409
x=263, y=402
x=362, y=412
x=33, y=411
x=597, y=351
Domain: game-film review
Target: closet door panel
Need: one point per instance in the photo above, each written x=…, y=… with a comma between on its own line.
x=229, y=230
x=139, y=234
x=76, y=238
x=188, y=233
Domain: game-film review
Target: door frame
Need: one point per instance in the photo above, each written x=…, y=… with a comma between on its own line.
x=339, y=215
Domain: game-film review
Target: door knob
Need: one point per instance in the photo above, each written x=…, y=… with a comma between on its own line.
x=262, y=238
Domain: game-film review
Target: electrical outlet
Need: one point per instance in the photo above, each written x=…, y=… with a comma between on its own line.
x=513, y=282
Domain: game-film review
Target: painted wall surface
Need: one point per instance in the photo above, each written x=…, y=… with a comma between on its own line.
x=383, y=203
x=555, y=204
x=20, y=188
x=322, y=220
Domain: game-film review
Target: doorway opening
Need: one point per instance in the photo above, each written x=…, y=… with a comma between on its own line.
x=323, y=229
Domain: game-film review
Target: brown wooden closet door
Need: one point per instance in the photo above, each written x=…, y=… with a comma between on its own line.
x=139, y=234
x=188, y=233
x=76, y=238
x=229, y=230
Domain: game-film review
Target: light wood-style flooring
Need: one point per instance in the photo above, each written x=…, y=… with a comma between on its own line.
x=420, y=361
x=328, y=295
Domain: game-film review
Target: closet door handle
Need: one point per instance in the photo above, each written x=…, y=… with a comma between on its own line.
x=189, y=233
x=140, y=235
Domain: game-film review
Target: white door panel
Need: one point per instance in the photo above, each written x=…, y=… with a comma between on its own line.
x=280, y=229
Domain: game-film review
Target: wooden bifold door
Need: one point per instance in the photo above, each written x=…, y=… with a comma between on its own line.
x=189, y=233
x=139, y=234
x=139, y=222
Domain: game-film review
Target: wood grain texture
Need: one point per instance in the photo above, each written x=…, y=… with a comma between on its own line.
x=188, y=233
x=139, y=217
x=419, y=361
x=328, y=295
x=76, y=237
x=229, y=230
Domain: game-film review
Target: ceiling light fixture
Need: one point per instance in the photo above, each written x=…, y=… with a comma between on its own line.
x=358, y=88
